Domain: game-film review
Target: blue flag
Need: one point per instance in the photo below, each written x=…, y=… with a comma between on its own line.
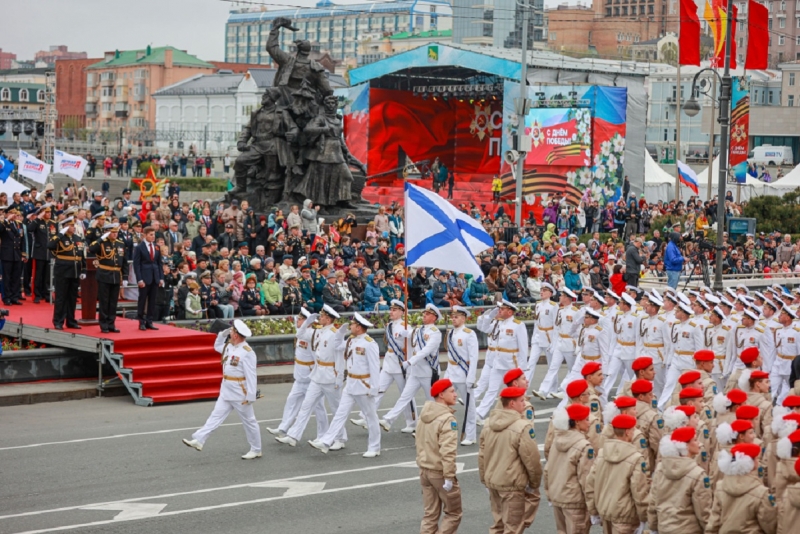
x=6, y=167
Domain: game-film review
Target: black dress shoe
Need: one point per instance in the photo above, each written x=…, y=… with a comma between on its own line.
x=104, y=330
x=142, y=327
x=151, y=327
x=58, y=327
x=115, y=330
x=37, y=300
x=75, y=326
x=16, y=303
x=23, y=298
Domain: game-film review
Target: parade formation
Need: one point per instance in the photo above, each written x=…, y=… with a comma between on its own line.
x=699, y=434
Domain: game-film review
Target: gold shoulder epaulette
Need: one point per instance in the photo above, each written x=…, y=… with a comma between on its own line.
x=661, y=318
x=599, y=328
x=759, y=329
x=726, y=327
x=517, y=321
x=467, y=331
x=247, y=348
x=369, y=339
x=692, y=323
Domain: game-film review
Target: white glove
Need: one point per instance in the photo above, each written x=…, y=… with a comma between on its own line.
x=493, y=312
x=63, y=230
x=595, y=519
x=312, y=318
x=448, y=484
x=83, y=276
x=124, y=283
x=105, y=236
x=406, y=364
x=641, y=528
x=403, y=333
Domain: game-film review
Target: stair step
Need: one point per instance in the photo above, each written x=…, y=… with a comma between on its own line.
x=176, y=382
x=151, y=370
x=188, y=395
x=168, y=355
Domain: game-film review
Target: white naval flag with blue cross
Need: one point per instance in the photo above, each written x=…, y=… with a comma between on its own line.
x=440, y=236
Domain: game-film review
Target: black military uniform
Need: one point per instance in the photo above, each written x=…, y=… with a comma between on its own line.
x=66, y=274
x=112, y=269
x=292, y=299
x=41, y=231
x=12, y=254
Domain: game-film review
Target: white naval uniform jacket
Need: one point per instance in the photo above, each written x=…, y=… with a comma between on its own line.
x=362, y=357
x=462, y=355
x=626, y=330
x=511, y=344
x=771, y=326
x=787, y=347
x=545, y=319
x=684, y=340
x=567, y=327
x=595, y=344
x=391, y=361
x=424, y=341
x=303, y=356
x=485, y=324
x=651, y=340
x=716, y=338
x=743, y=337
x=238, y=370
x=327, y=344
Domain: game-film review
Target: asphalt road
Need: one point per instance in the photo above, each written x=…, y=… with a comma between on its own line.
x=105, y=465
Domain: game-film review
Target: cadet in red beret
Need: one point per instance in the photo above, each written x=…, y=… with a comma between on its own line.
x=515, y=378
x=577, y=393
x=789, y=507
x=694, y=397
x=793, y=402
x=704, y=361
x=617, y=489
x=725, y=405
x=643, y=369
x=649, y=419
x=593, y=374
x=751, y=359
x=576, y=389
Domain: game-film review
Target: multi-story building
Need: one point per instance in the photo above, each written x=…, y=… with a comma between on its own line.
x=337, y=29
x=21, y=109
x=373, y=48
x=6, y=59
x=24, y=75
x=497, y=23
x=119, y=88
x=209, y=110
x=55, y=53
x=664, y=94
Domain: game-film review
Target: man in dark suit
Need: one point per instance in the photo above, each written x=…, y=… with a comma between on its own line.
x=147, y=266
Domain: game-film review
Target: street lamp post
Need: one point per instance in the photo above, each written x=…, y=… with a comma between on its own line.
x=522, y=109
x=692, y=108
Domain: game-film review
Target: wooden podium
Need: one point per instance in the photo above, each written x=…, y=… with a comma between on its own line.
x=89, y=294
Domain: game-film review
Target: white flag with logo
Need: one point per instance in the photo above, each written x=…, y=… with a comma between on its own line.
x=72, y=166
x=30, y=167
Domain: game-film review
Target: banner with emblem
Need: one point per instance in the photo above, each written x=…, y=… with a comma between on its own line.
x=72, y=166
x=740, y=127
x=33, y=168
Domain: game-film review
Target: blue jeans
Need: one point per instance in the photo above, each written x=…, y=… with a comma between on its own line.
x=673, y=277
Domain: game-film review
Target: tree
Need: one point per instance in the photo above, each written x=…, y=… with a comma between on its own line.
x=775, y=213
x=669, y=54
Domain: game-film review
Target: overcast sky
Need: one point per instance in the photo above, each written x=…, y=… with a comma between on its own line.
x=95, y=26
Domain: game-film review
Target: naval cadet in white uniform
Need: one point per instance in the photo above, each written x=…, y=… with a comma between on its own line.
x=327, y=377
x=238, y=389
x=462, y=366
x=423, y=364
x=303, y=365
x=544, y=317
x=362, y=358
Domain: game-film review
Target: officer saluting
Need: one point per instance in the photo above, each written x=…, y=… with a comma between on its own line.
x=462, y=364
x=13, y=256
x=362, y=358
x=43, y=228
x=112, y=272
x=66, y=273
x=238, y=390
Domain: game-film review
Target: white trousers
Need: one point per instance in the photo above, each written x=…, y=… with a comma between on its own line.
x=720, y=381
x=367, y=405
x=551, y=378
x=222, y=409
x=533, y=359
x=385, y=381
x=314, y=396
x=573, y=374
x=483, y=381
x=489, y=400
x=618, y=367
x=413, y=384
x=470, y=430
x=780, y=386
x=660, y=378
x=673, y=374
x=292, y=408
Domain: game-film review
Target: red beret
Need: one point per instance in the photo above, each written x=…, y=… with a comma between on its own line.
x=439, y=386
x=576, y=388
x=691, y=393
x=792, y=417
x=591, y=367
x=740, y=425
x=578, y=412
x=794, y=437
x=624, y=402
x=642, y=362
x=749, y=355
x=688, y=410
x=737, y=396
x=512, y=375
x=623, y=422
x=758, y=375
x=746, y=411
x=704, y=356
x=748, y=449
x=688, y=377
x=683, y=434
x=641, y=386
x=791, y=401
x=512, y=393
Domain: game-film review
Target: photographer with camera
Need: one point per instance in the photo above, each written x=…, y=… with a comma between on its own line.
x=673, y=260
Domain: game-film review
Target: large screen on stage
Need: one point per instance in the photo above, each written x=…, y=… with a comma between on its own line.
x=560, y=136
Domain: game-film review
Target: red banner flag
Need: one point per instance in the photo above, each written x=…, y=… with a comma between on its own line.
x=689, y=39
x=717, y=17
x=757, y=36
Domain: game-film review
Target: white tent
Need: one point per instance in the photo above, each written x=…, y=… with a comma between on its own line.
x=788, y=183
x=658, y=183
x=752, y=186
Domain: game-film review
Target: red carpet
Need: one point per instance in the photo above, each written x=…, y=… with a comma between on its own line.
x=172, y=364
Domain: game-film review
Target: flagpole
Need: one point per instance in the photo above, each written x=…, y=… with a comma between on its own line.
x=679, y=94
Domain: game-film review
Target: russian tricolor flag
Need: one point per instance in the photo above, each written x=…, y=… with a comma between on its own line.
x=687, y=177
